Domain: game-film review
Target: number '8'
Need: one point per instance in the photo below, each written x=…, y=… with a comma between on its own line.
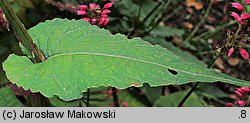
x=243, y=114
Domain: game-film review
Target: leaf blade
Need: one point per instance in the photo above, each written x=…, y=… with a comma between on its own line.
x=81, y=56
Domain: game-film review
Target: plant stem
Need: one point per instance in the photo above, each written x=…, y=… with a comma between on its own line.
x=210, y=65
x=139, y=12
x=214, y=31
x=155, y=23
x=21, y=33
x=133, y=25
x=152, y=12
x=115, y=97
x=215, y=57
x=188, y=95
x=200, y=23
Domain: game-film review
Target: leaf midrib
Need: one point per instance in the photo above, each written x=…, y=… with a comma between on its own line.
x=136, y=59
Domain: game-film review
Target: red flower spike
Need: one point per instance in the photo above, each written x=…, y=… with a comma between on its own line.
x=110, y=92
x=92, y=5
x=244, y=53
x=230, y=52
x=94, y=14
x=245, y=89
x=125, y=104
x=229, y=105
x=225, y=9
x=83, y=7
x=237, y=6
x=105, y=92
x=108, y=5
x=241, y=103
x=104, y=15
x=105, y=22
x=118, y=90
x=81, y=12
x=245, y=16
x=86, y=19
x=101, y=21
x=240, y=90
x=94, y=20
x=236, y=16
x=247, y=1
x=97, y=7
x=106, y=11
x=239, y=94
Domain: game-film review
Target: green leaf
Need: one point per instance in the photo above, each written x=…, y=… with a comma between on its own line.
x=165, y=31
x=8, y=98
x=96, y=99
x=57, y=102
x=152, y=93
x=177, y=51
x=81, y=56
x=174, y=99
x=133, y=99
x=213, y=91
x=3, y=78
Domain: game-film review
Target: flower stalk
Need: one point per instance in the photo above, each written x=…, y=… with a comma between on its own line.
x=236, y=39
x=21, y=33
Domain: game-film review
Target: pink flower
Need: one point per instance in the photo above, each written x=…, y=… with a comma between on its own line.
x=110, y=92
x=104, y=15
x=241, y=103
x=125, y=104
x=229, y=105
x=94, y=6
x=241, y=19
x=236, y=16
x=81, y=12
x=94, y=20
x=86, y=19
x=104, y=21
x=104, y=92
x=118, y=90
x=237, y=6
x=240, y=90
x=247, y=1
x=245, y=89
x=106, y=11
x=108, y=5
x=83, y=7
x=230, y=52
x=94, y=14
x=245, y=16
x=244, y=53
x=239, y=94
